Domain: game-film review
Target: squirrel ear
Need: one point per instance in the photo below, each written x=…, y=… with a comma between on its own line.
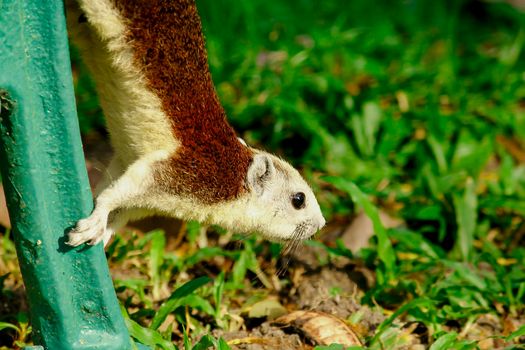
x=261, y=170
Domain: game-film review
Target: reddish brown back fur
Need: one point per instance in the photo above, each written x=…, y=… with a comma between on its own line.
x=211, y=163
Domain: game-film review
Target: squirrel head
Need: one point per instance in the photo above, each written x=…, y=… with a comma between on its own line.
x=280, y=204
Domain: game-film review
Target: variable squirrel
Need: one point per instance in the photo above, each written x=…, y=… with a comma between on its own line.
x=175, y=153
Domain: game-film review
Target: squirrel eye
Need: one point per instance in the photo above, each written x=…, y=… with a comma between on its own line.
x=298, y=200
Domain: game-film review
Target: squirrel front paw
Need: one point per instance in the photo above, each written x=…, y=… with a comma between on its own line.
x=90, y=230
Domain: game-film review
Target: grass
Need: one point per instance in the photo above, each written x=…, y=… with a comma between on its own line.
x=414, y=108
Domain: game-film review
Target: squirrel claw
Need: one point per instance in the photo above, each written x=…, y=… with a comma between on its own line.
x=90, y=230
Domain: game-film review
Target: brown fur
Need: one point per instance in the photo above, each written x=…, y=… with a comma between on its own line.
x=211, y=164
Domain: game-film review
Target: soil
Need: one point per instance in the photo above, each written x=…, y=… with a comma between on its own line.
x=326, y=289
x=264, y=337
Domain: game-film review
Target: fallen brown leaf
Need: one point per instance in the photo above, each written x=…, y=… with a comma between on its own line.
x=320, y=328
x=358, y=233
x=513, y=146
x=269, y=307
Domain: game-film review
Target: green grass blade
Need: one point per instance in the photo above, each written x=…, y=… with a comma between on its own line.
x=218, y=290
x=330, y=347
x=158, y=243
x=384, y=247
x=146, y=336
x=421, y=302
x=204, y=343
x=186, y=340
x=439, y=153
x=175, y=300
x=5, y=325
x=444, y=342
x=466, y=217
x=197, y=302
x=223, y=345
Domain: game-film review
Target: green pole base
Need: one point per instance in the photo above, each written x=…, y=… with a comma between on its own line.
x=70, y=292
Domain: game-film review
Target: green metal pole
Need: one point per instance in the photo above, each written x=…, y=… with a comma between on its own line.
x=70, y=292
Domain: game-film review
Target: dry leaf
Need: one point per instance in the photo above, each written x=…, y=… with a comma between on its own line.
x=356, y=236
x=513, y=147
x=270, y=308
x=320, y=328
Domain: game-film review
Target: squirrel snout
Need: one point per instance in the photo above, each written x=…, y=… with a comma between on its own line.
x=322, y=222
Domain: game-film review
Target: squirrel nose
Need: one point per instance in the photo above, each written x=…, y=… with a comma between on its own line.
x=322, y=222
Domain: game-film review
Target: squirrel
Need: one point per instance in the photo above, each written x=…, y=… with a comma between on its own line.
x=175, y=153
